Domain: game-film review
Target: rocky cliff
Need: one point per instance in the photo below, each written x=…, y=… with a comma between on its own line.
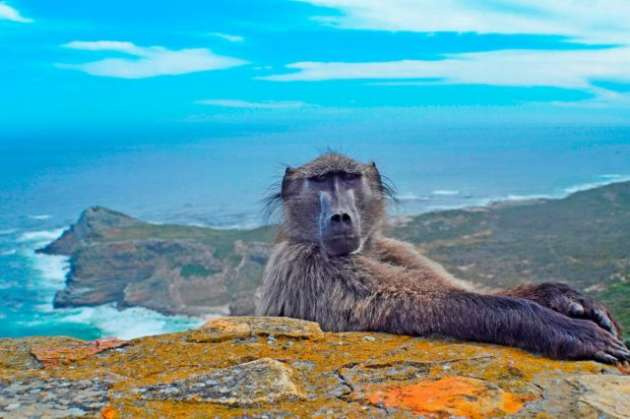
x=581, y=239
x=168, y=268
x=278, y=367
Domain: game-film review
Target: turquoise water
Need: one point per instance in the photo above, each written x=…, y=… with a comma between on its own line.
x=220, y=182
x=28, y=282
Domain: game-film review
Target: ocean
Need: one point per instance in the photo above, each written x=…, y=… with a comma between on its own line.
x=220, y=182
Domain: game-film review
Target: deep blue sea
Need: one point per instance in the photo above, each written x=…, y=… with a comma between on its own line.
x=45, y=184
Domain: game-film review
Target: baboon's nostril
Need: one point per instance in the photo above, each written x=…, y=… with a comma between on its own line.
x=343, y=217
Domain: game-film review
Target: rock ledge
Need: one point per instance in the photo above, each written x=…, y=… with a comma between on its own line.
x=278, y=367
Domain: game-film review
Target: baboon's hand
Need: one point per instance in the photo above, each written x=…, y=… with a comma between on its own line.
x=564, y=299
x=583, y=339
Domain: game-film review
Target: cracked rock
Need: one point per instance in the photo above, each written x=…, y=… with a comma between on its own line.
x=262, y=381
x=53, y=398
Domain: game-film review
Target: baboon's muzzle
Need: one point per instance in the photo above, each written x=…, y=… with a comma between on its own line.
x=338, y=226
x=341, y=245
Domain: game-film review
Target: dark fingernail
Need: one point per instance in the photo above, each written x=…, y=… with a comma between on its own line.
x=604, y=357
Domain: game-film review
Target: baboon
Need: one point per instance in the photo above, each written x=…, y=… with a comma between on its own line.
x=331, y=264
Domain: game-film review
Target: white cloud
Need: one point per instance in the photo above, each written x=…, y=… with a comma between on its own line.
x=148, y=61
x=586, y=21
x=228, y=37
x=243, y=104
x=591, y=21
x=9, y=13
x=119, y=46
x=574, y=69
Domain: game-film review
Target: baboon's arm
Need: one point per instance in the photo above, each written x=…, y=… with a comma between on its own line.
x=564, y=299
x=397, y=253
x=492, y=319
x=430, y=277
x=405, y=255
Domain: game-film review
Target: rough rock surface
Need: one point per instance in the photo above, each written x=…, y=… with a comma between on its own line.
x=262, y=381
x=273, y=367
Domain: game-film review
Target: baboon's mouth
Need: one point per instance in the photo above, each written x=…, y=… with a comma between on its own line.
x=341, y=244
x=342, y=237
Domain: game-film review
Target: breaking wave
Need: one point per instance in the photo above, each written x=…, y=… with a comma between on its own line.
x=48, y=275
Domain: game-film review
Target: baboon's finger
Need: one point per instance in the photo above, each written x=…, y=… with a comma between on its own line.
x=602, y=356
x=576, y=309
x=602, y=319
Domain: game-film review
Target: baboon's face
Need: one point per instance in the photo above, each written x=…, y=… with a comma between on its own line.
x=332, y=201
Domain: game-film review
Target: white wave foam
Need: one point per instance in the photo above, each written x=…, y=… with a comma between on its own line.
x=126, y=324
x=514, y=197
x=445, y=192
x=497, y=200
x=606, y=180
x=40, y=217
x=132, y=322
x=52, y=268
x=8, y=231
x=44, y=236
x=9, y=252
x=45, y=308
x=411, y=197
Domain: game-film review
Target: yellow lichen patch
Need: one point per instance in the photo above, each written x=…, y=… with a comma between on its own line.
x=221, y=329
x=336, y=372
x=15, y=355
x=73, y=350
x=511, y=368
x=454, y=396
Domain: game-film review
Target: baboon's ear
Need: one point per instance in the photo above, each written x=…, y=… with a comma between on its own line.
x=285, y=181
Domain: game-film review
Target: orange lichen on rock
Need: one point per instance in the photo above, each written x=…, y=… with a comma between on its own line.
x=73, y=350
x=108, y=412
x=452, y=396
x=229, y=369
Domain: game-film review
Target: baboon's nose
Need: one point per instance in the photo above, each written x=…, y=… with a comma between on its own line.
x=341, y=218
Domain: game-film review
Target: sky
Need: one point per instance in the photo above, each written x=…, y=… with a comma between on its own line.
x=226, y=67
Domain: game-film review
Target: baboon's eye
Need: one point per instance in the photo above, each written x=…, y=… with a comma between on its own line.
x=350, y=176
x=319, y=178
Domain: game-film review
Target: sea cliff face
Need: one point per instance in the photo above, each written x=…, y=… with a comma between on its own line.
x=279, y=367
x=171, y=269
x=581, y=240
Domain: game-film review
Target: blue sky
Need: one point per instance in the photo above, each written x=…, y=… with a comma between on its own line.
x=203, y=68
